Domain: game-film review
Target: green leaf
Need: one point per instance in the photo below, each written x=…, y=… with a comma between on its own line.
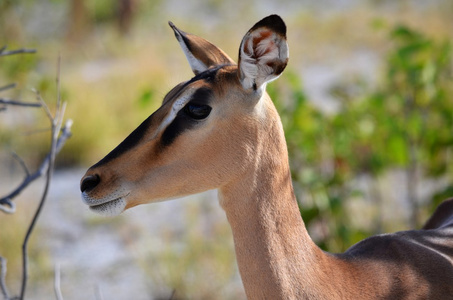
x=404, y=33
x=146, y=98
x=397, y=150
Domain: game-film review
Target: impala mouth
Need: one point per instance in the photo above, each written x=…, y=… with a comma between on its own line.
x=109, y=207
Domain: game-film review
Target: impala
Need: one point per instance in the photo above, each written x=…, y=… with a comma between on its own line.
x=220, y=130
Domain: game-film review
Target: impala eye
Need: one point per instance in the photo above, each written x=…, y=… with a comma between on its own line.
x=197, y=111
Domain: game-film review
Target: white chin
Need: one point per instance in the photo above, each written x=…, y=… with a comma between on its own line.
x=111, y=208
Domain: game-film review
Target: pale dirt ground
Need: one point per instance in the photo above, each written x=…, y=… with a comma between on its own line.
x=96, y=253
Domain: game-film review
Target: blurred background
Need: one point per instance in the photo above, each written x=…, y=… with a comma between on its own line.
x=366, y=102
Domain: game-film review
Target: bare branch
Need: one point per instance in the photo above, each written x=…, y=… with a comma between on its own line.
x=49, y=172
x=7, y=87
x=21, y=162
x=59, y=136
x=57, y=81
x=7, y=206
x=19, y=103
x=5, y=101
x=98, y=292
x=35, y=131
x=57, y=279
x=44, y=105
x=56, y=123
x=172, y=294
x=3, y=288
x=3, y=51
x=5, y=202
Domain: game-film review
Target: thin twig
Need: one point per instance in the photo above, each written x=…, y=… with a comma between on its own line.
x=57, y=286
x=55, y=130
x=7, y=87
x=5, y=292
x=19, y=103
x=44, y=105
x=35, y=131
x=21, y=162
x=6, y=204
x=3, y=51
x=98, y=292
x=56, y=122
x=57, y=81
x=172, y=294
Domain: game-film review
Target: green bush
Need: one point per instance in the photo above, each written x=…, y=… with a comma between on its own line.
x=404, y=123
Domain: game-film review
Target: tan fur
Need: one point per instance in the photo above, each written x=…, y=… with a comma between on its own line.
x=240, y=149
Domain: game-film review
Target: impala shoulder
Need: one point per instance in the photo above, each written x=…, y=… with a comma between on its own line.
x=404, y=245
x=380, y=245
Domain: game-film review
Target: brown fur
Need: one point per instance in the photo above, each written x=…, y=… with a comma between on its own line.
x=240, y=149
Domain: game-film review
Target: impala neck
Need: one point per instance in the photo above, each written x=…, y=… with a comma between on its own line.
x=276, y=257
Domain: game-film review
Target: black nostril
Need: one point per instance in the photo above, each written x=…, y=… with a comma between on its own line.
x=89, y=183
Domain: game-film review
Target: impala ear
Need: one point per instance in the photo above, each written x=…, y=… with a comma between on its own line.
x=200, y=53
x=263, y=53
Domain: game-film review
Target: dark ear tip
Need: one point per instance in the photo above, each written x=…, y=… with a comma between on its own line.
x=274, y=22
x=177, y=32
x=170, y=23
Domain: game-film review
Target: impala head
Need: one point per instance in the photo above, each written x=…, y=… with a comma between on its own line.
x=204, y=134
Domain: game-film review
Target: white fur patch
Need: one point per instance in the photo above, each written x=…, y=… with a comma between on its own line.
x=110, y=209
x=112, y=206
x=255, y=57
x=196, y=64
x=177, y=106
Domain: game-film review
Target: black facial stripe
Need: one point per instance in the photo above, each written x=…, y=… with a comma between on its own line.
x=208, y=75
x=180, y=124
x=128, y=143
x=201, y=96
x=182, y=121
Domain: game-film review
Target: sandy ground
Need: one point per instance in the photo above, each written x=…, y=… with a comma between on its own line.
x=103, y=258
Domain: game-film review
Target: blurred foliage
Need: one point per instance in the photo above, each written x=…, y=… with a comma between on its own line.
x=406, y=122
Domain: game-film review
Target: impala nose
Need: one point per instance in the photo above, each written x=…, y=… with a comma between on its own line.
x=89, y=182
